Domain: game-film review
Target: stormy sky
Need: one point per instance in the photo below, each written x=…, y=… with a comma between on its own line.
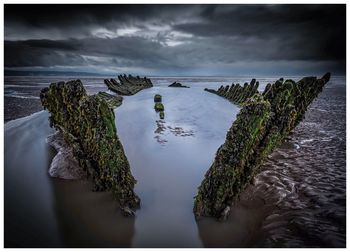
x=177, y=40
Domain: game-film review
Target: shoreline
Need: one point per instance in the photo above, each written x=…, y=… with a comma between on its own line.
x=18, y=121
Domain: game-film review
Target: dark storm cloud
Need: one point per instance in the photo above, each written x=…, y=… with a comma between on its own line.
x=322, y=27
x=156, y=39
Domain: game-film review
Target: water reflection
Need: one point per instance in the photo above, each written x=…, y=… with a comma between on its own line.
x=90, y=219
x=41, y=211
x=29, y=216
x=169, y=158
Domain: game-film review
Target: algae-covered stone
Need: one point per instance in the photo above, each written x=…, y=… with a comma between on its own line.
x=88, y=126
x=264, y=121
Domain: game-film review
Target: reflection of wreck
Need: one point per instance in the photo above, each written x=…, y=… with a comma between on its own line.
x=262, y=124
x=128, y=85
x=88, y=126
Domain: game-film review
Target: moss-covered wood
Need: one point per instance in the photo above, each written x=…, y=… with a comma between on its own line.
x=88, y=126
x=158, y=106
x=128, y=85
x=178, y=84
x=113, y=101
x=157, y=98
x=161, y=115
x=262, y=124
x=236, y=93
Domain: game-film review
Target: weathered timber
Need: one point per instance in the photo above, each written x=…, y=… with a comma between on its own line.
x=128, y=85
x=264, y=121
x=178, y=84
x=158, y=106
x=113, y=101
x=88, y=126
x=157, y=98
x=236, y=93
x=161, y=115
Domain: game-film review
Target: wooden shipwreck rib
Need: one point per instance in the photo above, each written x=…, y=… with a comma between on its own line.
x=128, y=85
x=236, y=93
x=263, y=123
x=88, y=126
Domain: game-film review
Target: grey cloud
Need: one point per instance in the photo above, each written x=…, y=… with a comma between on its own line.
x=176, y=38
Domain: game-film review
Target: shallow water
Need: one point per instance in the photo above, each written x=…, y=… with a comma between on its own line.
x=170, y=168
x=297, y=200
x=29, y=215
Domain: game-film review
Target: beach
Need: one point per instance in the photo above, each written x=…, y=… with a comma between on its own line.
x=296, y=200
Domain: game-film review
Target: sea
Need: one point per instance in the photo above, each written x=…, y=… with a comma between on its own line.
x=298, y=198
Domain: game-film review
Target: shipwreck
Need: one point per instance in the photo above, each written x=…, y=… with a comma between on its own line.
x=128, y=85
x=87, y=123
x=263, y=122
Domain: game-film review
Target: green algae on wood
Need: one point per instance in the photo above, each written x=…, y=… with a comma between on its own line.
x=158, y=106
x=236, y=93
x=113, y=101
x=88, y=126
x=264, y=121
x=128, y=85
x=178, y=84
x=157, y=98
x=161, y=115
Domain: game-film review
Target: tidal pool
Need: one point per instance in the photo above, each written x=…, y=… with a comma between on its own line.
x=170, y=157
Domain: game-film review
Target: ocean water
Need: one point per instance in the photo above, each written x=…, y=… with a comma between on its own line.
x=297, y=200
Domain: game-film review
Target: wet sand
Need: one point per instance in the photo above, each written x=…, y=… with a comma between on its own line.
x=20, y=107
